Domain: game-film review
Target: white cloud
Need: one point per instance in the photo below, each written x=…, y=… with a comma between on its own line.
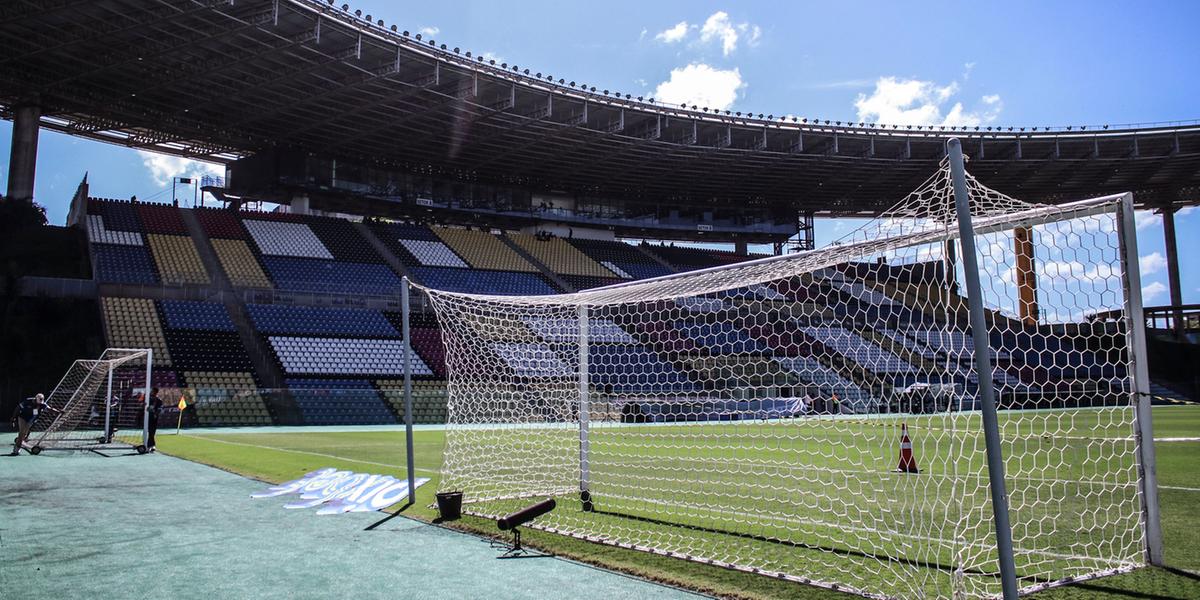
x=674, y=34
x=429, y=31
x=702, y=85
x=1144, y=219
x=719, y=27
x=897, y=101
x=493, y=56
x=163, y=167
x=1152, y=291
x=1152, y=263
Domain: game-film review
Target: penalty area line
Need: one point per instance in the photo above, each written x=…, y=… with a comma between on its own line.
x=290, y=451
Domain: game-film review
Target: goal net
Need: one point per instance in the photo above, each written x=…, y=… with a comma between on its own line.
x=768, y=416
x=99, y=403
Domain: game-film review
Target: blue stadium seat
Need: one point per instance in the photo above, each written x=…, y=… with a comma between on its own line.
x=502, y=283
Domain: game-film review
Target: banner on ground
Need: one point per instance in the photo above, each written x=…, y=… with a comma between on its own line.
x=337, y=492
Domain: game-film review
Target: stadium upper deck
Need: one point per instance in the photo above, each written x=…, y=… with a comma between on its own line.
x=219, y=80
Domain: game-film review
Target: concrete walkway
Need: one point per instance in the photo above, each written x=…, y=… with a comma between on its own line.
x=83, y=526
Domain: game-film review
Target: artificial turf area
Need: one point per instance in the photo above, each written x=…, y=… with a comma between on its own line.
x=286, y=454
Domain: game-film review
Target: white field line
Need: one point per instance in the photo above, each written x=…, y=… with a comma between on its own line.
x=1178, y=439
x=890, y=474
x=333, y=456
x=882, y=533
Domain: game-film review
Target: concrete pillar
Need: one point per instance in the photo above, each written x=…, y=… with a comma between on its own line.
x=741, y=248
x=22, y=162
x=1168, y=221
x=1027, y=307
x=300, y=204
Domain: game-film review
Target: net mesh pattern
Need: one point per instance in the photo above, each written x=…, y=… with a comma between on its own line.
x=754, y=416
x=98, y=403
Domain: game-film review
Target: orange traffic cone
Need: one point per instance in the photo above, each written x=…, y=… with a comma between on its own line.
x=908, y=464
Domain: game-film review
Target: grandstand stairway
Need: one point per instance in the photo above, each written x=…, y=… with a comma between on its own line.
x=656, y=258
x=551, y=275
x=268, y=373
x=384, y=252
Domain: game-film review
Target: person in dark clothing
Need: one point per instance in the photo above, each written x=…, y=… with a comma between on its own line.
x=155, y=409
x=25, y=415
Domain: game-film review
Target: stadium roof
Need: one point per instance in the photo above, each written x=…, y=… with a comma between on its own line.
x=217, y=80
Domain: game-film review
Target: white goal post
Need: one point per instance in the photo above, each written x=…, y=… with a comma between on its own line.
x=822, y=417
x=98, y=404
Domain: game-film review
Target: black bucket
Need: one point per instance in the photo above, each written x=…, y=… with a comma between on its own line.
x=449, y=505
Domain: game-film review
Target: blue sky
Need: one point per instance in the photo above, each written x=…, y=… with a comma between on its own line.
x=1003, y=63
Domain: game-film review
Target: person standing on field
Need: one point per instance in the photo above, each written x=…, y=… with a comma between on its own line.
x=155, y=409
x=25, y=415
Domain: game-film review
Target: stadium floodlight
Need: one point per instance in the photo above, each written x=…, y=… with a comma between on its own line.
x=752, y=416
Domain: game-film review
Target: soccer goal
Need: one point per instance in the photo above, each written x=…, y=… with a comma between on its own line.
x=830, y=417
x=98, y=404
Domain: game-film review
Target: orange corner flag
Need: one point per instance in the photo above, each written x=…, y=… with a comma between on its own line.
x=182, y=403
x=908, y=463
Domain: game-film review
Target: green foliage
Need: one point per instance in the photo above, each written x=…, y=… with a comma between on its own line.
x=19, y=215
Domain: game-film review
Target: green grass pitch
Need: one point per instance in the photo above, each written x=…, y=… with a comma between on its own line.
x=279, y=456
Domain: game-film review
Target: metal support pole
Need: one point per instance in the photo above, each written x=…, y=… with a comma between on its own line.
x=108, y=409
x=408, y=403
x=1135, y=323
x=983, y=369
x=146, y=398
x=585, y=447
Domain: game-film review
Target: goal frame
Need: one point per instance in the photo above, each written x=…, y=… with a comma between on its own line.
x=1118, y=206
x=55, y=435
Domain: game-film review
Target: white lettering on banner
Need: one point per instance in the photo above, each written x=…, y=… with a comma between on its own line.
x=342, y=491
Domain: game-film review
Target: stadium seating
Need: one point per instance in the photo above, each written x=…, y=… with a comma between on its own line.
x=310, y=320
x=343, y=241
x=134, y=323
x=580, y=282
x=220, y=223
x=859, y=350
x=621, y=259
x=99, y=234
x=124, y=264
x=483, y=250
x=687, y=259
x=331, y=277
x=433, y=254
x=504, y=283
x=177, y=259
x=633, y=369
x=162, y=219
x=226, y=399
x=339, y=402
x=827, y=382
x=240, y=264
x=429, y=399
x=560, y=257
x=335, y=356
x=179, y=314
x=205, y=350
x=286, y=239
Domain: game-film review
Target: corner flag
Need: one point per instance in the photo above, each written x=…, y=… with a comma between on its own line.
x=182, y=405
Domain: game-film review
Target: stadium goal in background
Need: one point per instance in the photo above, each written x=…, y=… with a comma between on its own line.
x=98, y=404
x=761, y=416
